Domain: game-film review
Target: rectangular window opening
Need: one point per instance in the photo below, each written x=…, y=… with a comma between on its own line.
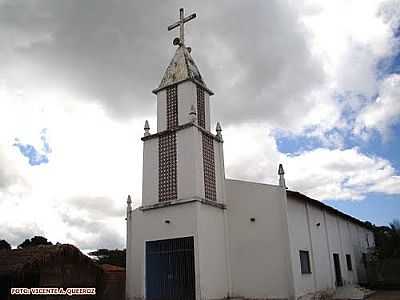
x=348, y=261
x=305, y=262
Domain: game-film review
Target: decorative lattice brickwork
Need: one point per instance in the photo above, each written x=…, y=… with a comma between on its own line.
x=167, y=183
x=201, y=114
x=209, y=168
x=172, y=107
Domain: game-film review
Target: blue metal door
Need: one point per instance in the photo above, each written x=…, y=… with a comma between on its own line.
x=170, y=273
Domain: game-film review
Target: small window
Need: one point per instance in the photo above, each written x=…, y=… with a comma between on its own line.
x=348, y=260
x=305, y=262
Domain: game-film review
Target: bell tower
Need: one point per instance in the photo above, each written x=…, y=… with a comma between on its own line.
x=183, y=207
x=183, y=161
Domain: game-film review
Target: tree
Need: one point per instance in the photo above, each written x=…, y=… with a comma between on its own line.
x=35, y=241
x=4, y=245
x=387, y=240
x=112, y=257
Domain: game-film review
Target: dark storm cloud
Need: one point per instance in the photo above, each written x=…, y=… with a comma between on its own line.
x=254, y=56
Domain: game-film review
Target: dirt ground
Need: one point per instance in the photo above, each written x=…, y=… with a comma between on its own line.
x=385, y=295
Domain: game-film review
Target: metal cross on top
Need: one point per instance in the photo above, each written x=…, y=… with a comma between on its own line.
x=180, y=23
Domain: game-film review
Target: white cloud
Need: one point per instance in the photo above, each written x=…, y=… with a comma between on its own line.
x=251, y=154
x=340, y=174
x=94, y=159
x=385, y=111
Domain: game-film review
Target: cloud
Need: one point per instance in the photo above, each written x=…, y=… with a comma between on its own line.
x=95, y=163
x=340, y=174
x=111, y=53
x=15, y=234
x=384, y=112
x=98, y=207
x=321, y=173
x=90, y=235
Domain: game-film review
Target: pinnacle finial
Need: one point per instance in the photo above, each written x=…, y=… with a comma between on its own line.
x=280, y=170
x=128, y=205
x=281, y=174
x=219, y=130
x=192, y=113
x=146, y=128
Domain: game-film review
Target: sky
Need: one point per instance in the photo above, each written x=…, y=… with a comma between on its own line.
x=314, y=85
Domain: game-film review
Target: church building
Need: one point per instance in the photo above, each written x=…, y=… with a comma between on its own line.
x=198, y=235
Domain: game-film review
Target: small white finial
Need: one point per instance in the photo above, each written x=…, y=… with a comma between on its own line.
x=281, y=174
x=280, y=170
x=146, y=128
x=129, y=204
x=219, y=130
x=192, y=114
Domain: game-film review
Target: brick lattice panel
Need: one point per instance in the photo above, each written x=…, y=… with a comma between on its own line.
x=201, y=113
x=209, y=168
x=167, y=182
x=172, y=107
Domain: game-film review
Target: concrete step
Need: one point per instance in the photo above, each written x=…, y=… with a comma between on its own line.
x=352, y=292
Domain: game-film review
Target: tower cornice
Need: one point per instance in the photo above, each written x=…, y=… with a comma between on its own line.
x=210, y=92
x=181, y=127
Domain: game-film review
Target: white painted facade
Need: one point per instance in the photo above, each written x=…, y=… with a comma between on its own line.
x=247, y=240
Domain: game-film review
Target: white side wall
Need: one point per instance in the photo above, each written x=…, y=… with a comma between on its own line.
x=299, y=240
x=212, y=253
x=189, y=164
x=187, y=96
x=219, y=171
x=150, y=172
x=162, y=110
x=323, y=233
x=259, y=260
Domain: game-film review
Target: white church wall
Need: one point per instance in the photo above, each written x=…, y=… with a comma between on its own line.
x=187, y=96
x=300, y=240
x=334, y=242
x=322, y=233
x=259, y=263
x=150, y=225
x=150, y=172
x=212, y=253
x=347, y=249
x=161, y=110
x=320, y=254
x=219, y=171
x=189, y=164
x=356, y=247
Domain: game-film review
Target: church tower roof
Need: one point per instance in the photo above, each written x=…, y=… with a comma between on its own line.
x=181, y=68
